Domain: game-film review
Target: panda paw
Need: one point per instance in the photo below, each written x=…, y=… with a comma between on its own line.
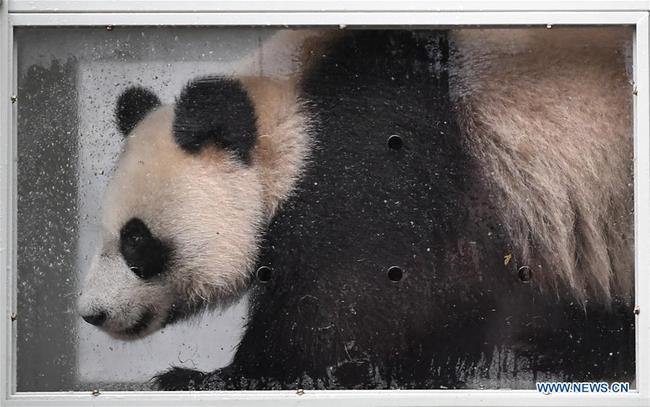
x=178, y=378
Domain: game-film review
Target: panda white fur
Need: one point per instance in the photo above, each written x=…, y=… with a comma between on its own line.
x=414, y=202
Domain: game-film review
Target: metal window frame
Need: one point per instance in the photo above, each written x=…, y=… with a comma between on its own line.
x=20, y=13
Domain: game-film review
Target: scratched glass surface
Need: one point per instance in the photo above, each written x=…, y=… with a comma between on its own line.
x=462, y=216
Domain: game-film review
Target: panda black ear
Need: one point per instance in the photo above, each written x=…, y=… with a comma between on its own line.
x=215, y=111
x=132, y=106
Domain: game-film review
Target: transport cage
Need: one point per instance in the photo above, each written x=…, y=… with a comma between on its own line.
x=365, y=203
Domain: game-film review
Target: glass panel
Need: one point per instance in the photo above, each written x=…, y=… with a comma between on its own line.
x=335, y=209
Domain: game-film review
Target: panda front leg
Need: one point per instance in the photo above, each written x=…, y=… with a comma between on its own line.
x=178, y=378
x=233, y=377
x=183, y=379
x=289, y=343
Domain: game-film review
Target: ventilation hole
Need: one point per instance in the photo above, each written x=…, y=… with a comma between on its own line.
x=395, y=142
x=395, y=274
x=264, y=274
x=525, y=274
x=137, y=271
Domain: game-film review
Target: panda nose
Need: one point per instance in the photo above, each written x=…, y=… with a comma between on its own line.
x=96, y=319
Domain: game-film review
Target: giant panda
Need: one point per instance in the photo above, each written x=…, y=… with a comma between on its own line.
x=409, y=209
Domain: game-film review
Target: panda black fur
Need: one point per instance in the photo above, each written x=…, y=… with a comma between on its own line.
x=352, y=206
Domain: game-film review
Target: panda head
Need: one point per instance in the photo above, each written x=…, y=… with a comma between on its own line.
x=182, y=214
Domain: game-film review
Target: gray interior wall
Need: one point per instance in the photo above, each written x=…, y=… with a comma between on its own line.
x=47, y=226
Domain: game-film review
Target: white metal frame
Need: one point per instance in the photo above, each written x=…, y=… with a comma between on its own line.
x=337, y=13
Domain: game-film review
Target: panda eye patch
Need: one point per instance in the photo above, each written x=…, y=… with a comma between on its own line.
x=145, y=255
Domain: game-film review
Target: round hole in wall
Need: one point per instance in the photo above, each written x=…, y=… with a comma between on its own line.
x=264, y=274
x=525, y=274
x=395, y=142
x=395, y=274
